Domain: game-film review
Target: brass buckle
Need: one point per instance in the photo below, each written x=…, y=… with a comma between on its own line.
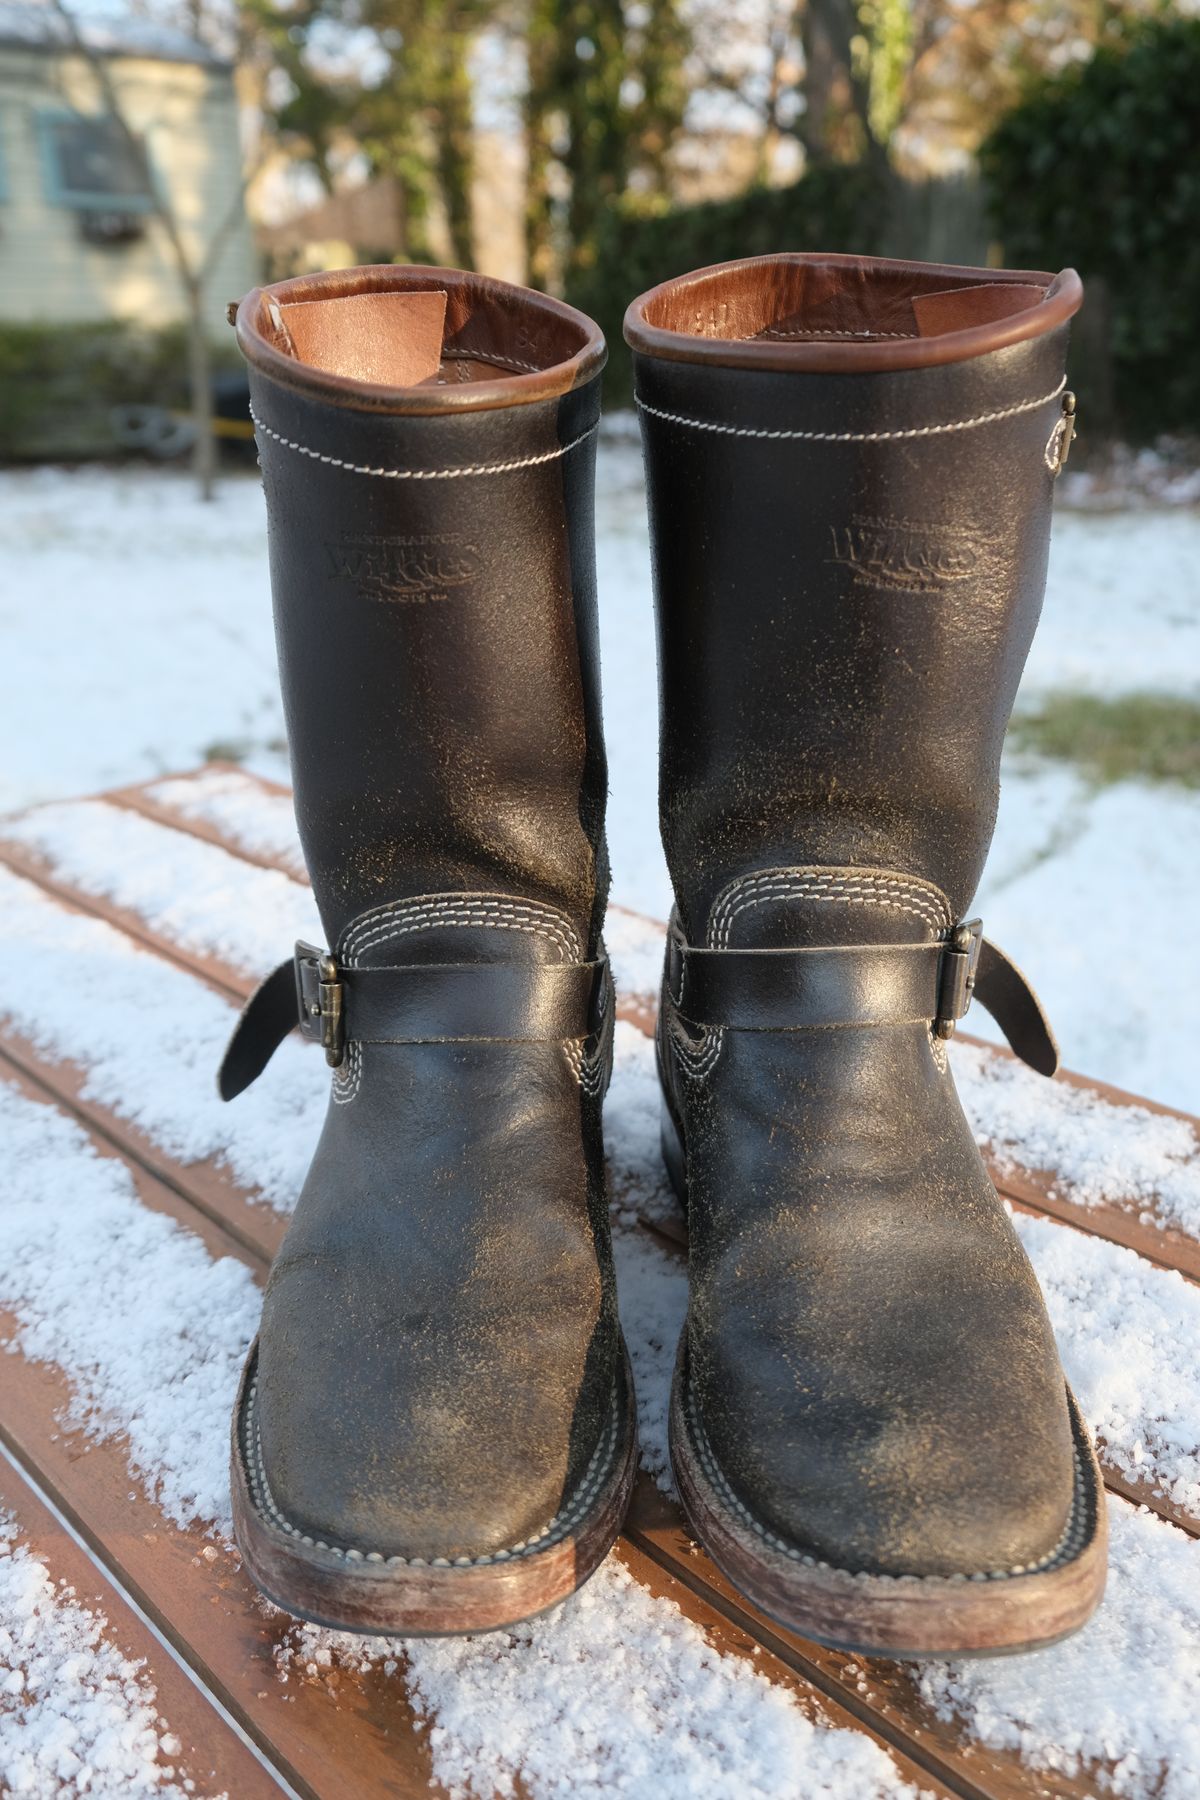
x=960, y=964
x=320, y=1002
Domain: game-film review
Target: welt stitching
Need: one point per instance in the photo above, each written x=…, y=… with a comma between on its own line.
x=852, y=437
x=499, y=468
x=1073, y=1538
x=590, y=1483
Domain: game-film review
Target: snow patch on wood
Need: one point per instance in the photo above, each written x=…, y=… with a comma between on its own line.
x=77, y=1716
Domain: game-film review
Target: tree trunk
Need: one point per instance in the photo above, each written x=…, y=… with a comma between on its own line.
x=204, y=452
x=540, y=51
x=455, y=145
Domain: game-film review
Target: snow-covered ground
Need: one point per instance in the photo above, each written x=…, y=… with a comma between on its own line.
x=136, y=635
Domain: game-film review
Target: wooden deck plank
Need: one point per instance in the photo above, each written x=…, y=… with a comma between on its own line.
x=198, y=1596
x=871, y=1687
x=142, y=798
x=214, y=1756
x=194, y=1590
x=878, y=1694
x=260, y=1228
x=656, y=1528
x=1132, y=1224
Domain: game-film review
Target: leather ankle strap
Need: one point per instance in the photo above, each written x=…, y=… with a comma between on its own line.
x=861, y=984
x=412, y=1003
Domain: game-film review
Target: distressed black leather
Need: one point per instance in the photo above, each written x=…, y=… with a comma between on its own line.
x=846, y=594
x=440, y=1358
x=415, y=1003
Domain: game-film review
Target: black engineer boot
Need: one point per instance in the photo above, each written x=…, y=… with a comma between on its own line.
x=850, y=465
x=435, y=1430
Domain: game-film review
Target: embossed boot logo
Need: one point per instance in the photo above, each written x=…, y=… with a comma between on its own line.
x=413, y=569
x=913, y=556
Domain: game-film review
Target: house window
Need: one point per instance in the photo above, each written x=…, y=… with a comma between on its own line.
x=89, y=165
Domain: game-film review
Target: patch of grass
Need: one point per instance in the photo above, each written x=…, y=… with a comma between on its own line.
x=1146, y=737
x=236, y=750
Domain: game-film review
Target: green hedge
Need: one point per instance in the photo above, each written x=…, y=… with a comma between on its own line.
x=836, y=207
x=1099, y=167
x=60, y=383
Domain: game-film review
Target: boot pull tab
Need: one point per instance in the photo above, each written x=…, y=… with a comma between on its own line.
x=1058, y=445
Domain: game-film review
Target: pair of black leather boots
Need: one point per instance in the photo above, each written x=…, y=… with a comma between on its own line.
x=850, y=466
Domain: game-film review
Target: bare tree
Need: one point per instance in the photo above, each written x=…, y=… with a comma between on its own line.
x=193, y=269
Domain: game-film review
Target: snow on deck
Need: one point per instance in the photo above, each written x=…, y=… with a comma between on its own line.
x=77, y=1716
x=155, y=1365
x=164, y=602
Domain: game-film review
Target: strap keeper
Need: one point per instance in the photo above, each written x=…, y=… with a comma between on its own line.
x=320, y=1002
x=960, y=966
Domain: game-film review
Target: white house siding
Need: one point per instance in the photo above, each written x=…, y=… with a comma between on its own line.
x=188, y=114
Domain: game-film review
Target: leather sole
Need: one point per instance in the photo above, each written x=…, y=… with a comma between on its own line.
x=354, y=1590
x=986, y=1614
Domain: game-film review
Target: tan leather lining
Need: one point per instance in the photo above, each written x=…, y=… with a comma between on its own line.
x=844, y=312
x=392, y=339
x=957, y=309
x=501, y=345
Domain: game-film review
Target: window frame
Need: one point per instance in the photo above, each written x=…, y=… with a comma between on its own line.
x=80, y=199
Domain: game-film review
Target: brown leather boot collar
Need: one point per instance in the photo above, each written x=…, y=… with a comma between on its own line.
x=540, y=347
x=845, y=314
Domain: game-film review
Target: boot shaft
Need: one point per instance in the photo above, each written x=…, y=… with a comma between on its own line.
x=849, y=468
x=427, y=441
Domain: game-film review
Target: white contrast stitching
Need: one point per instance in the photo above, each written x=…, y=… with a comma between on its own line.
x=780, y=331
x=862, y=887
x=490, y=356
x=899, y=892
x=1074, y=1536
x=426, y=912
x=500, y=468
x=435, y=908
x=590, y=1483
x=852, y=437
x=345, y=1085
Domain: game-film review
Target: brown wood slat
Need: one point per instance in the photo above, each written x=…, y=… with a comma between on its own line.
x=1032, y=1189
x=194, y=1591
x=213, y=1756
x=737, y=1634
x=206, y=1607
x=663, y=1536
x=870, y=1687
x=883, y=1690
x=139, y=799
x=40, y=870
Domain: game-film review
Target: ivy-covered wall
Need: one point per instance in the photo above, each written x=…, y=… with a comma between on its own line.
x=835, y=207
x=1100, y=168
